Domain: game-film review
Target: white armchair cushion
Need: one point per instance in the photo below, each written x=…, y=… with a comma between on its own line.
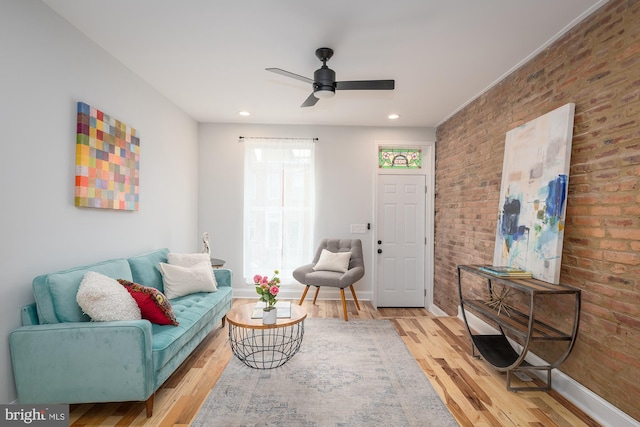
x=333, y=261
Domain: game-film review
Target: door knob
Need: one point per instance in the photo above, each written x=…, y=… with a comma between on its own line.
x=379, y=242
x=379, y=251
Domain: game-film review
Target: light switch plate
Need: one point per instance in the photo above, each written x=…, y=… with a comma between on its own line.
x=358, y=228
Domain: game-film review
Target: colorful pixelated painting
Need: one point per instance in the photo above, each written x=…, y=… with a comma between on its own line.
x=107, y=162
x=533, y=196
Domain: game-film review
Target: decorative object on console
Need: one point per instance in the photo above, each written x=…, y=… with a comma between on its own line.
x=533, y=195
x=505, y=271
x=107, y=162
x=498, y=301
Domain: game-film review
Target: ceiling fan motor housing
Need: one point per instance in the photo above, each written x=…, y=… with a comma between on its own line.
x=324, y=79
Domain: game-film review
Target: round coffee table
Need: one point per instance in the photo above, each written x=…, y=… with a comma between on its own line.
x=265, y=346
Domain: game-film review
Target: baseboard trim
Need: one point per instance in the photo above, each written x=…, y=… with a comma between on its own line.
x=592, y=404
x=294, y=295
x=437, y=311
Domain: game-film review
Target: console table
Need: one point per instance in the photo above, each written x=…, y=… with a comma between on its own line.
x=523, y=324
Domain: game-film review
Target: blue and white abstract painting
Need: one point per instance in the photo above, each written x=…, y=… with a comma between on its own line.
x=533, y=195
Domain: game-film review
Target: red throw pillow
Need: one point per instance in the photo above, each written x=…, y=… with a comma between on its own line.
x=154, y=306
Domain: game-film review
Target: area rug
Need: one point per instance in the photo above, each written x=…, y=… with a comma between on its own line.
x=356, y=373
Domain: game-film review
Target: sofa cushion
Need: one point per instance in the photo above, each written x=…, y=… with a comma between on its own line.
x=194, y=312
x=188, y=260
x=154, y=306
x=180, y=281
x=55, y=293
x=145, y=270
x=103, y=299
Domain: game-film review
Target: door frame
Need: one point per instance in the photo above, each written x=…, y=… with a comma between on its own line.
x=428, y=170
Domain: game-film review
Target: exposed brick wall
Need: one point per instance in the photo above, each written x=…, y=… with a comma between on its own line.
x=596, y=66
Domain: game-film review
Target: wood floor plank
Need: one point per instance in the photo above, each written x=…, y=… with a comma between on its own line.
x=473, y=391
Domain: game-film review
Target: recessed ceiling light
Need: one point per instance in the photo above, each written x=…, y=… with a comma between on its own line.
x=393, y=116
x=244, y=113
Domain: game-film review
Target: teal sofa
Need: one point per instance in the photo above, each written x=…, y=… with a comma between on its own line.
x=60, y=356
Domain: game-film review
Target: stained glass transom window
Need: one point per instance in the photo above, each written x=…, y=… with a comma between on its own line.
x=400, y=158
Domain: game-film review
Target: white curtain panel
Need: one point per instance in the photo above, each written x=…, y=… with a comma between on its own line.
x=279, y=198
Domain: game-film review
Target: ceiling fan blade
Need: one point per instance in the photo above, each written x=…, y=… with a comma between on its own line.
x=290, y=74
x=366, y=85
x=310, y=101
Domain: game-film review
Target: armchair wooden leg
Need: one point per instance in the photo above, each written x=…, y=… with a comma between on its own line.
x=353, y=292
x=304, y=294
x=344, y=305
x=149, y=405
x=315, y=297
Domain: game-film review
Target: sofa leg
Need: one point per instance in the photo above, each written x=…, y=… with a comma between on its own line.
x=315, y=297
x=149, y=405
x=304, y=294
x=224, y=318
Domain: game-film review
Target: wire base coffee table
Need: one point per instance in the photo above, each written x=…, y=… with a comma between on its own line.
x=262, y=346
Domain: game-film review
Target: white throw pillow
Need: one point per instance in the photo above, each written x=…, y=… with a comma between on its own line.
x=104, y=299
x=333, y=261
x=188, y=260
x=179, y=281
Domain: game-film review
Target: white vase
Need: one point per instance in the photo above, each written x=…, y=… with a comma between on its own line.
x=269, y=317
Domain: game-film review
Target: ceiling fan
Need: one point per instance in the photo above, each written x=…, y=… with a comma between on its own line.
x=324, y=80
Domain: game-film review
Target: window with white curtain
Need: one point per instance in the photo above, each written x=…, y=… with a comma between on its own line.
x=279, y=195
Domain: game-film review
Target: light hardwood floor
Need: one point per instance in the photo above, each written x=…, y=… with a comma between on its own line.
x=473, y=391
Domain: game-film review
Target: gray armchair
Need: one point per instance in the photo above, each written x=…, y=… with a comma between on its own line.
x=309, y=276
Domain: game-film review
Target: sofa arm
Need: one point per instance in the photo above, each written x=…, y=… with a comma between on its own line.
x=83, y=362
x=223, y=276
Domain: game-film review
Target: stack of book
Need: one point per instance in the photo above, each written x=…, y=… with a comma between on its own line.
x=505, y=271
x=283, y=307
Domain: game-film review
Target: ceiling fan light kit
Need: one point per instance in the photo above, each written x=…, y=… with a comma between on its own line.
x=324, y=93
x=324, y=80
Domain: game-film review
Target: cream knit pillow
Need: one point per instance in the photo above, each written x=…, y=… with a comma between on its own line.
x=104, y=299
x=179, y=281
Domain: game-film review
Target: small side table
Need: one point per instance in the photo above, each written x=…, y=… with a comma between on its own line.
x=217, y=262
x=262, y=346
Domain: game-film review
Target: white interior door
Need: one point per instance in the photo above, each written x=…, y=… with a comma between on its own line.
x=400, y=241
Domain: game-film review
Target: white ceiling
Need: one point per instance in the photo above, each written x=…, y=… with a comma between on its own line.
x=209, y=56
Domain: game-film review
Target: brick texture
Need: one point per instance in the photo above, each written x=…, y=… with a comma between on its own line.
x=596, y=65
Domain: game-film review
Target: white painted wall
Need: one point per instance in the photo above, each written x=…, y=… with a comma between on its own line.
x=48, y=66
x=345, y=182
